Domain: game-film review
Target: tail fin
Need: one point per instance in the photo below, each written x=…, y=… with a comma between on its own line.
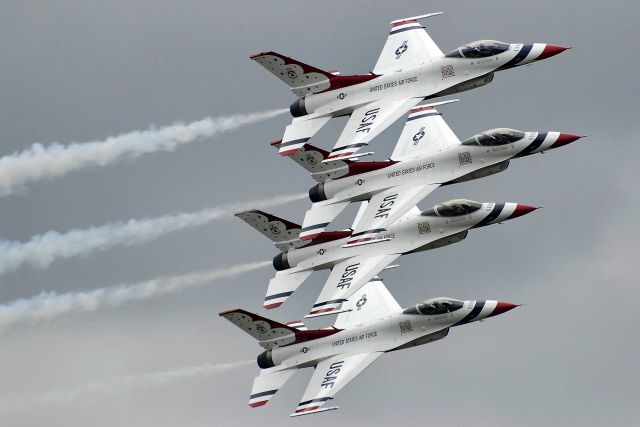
x=283, y=233
x=311, y=158
x=303, y=79
x=268, y=332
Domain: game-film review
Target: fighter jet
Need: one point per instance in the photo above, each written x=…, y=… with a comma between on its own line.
x=410, y=69
x=427, y=155
x=375, y=324
x=354, y=264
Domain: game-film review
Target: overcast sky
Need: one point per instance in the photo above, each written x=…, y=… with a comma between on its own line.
x=76, y=71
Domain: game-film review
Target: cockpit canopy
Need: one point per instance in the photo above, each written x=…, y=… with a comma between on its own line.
x=494, y=137
x=479, y=49
x=455, y=207
x=436, y=306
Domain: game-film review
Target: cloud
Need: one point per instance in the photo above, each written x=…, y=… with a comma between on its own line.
x=54, y=160
x=41, y=250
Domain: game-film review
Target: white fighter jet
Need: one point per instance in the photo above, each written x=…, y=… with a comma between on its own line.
x=375, y=324
x=410, y=69
x=427, y=155
x=354, y=264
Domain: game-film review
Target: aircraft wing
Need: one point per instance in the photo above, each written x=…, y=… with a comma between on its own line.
x=346, y=278
x=300, y=131
x=385, y=208
x=408, y=44
x=425, y=132
x=372, y=302
x=330, y=376
x=366, y=122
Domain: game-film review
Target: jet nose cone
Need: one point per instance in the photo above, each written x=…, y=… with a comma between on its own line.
x=522, y=209
x=502, y=307
x=566, y=138
x=551, y=50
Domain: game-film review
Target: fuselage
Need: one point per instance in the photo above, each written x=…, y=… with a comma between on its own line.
x=430, y=78
x=395, y=331
x=411, y=234
x=461, y=162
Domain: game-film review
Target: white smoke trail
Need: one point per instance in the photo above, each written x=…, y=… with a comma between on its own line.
x=48, y=305
x=64, y=395
x=41, y=250
x=43, y=162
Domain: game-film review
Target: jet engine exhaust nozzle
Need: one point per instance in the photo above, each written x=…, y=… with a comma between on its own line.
x=316, y=193
x=297, y=108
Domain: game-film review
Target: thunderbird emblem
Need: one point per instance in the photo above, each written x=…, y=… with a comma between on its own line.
x=291, y=73
x=274, y=229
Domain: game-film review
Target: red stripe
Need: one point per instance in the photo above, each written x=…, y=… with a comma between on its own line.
x=289, y=152
x=307, y=409
x=256, y=404
x=337, y=156
x=310, y=236
x=415, y=110
x=359, y=240
x=274, y=305
x=397, y=24
x=276, y=142
x=323, y=310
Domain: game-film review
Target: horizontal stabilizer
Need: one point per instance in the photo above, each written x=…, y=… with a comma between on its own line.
x=284, y=234
x=302, y=78
x=268, y=332
x=313, y=159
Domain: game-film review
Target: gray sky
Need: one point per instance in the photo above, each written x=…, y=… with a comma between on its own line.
x=81, y=71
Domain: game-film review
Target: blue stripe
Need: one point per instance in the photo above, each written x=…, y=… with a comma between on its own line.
x=362, y=144
x=415, y=27
x=322, y=399
x=283, y=294
x=375, y=230
x=263, y=393
x=537, y=142
x=524, y=51
x=472, y=314
x=311, y=227
x=492, y=215
x=333, y=301
x=295, y=141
